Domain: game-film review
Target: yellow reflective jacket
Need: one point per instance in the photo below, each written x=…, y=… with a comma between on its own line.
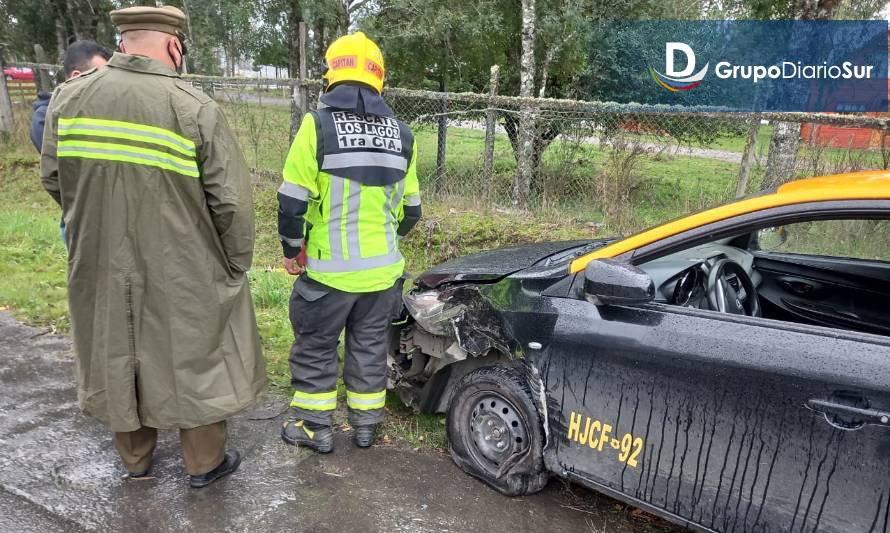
x=350, y=226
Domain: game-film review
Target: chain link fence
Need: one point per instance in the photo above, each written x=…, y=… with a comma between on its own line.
x=621, y=166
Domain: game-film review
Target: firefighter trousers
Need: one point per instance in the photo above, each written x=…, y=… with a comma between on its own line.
x=318, y=314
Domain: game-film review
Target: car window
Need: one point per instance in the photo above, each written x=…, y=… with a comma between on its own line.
x=856, y=239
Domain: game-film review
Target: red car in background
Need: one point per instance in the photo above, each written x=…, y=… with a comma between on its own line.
x=19, y=74
x=21, y=85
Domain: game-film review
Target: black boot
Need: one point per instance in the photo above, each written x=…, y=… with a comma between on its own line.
x=139, y=475
x=365, y=435
x=230, y=463
x=301, y=433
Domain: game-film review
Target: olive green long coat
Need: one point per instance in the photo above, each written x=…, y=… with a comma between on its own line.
x=156, y=197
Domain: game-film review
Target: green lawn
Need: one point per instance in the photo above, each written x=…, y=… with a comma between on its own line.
x=726, y=143
x=33, y=260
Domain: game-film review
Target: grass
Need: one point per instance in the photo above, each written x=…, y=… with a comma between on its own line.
x=723, y=143
x=33, y=261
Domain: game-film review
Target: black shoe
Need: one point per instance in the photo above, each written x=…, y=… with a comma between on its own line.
x=229, y=465
x=297, y=433
x=365, y=435
x=139, y=475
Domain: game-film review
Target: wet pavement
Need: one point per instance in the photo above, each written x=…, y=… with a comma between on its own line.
x=59, y=472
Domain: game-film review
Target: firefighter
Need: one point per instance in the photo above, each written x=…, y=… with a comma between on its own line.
x=156, y=197
x=350, y=192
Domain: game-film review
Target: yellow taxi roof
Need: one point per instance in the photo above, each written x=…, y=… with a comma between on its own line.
x=870, y=185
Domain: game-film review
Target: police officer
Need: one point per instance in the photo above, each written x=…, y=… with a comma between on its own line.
x=350, y=192
x=157, y=200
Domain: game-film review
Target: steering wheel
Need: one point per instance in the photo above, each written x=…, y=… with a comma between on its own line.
x=723, y=297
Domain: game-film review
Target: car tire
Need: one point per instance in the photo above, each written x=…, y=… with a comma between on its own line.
x=495, y=431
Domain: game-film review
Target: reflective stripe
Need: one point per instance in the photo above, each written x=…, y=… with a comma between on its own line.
x=294, y=191
x=126, y=130
x=353, y=202
x=127, y=154
x=400, y=192
x=412, y=200
x=335, y=218
x=293, y=243
x=388, y=225
x=351, y=265
x=315, y=401
x=363, y=159
x=366, y=401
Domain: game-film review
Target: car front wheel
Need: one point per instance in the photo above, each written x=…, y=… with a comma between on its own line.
x=495, y=432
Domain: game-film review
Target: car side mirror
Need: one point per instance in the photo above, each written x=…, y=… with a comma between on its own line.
x=607, y=281
x=771, y=239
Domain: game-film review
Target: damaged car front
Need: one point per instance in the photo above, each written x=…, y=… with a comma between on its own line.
x=464, y=325
x=457, y=312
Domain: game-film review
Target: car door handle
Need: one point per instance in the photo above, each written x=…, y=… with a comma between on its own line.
x=859, y=414
x=800, y=288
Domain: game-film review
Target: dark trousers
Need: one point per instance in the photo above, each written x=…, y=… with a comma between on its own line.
x=203, y=447
x=319, y=314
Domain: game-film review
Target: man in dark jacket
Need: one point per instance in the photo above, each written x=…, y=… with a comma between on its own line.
x=81, y=56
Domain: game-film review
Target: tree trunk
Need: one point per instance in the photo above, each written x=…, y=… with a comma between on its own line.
x=60, y=12
x=541, y=141
x=319, y=46
x=84, y=19
x=748, y=154
x=524, y=160
x=782, y=157
x=786, y=136
x=343, y=17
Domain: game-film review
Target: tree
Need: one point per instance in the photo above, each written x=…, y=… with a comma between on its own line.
x=430, y=44
x=782, y=159
x=347, y=10
x=202, y=38
x=269, y=45
x=54, y=24
x=525, y=137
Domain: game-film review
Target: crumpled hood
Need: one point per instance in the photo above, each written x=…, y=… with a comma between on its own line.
x=493, y=265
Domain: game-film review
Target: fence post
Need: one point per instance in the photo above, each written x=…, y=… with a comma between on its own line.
x=441, y=140
x=303, y=63
x=298, y=97
x=45, y=82
x=748, y=156
x=491, y=118
x=5, y=101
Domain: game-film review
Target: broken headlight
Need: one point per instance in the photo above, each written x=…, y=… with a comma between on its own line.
x=430, y=313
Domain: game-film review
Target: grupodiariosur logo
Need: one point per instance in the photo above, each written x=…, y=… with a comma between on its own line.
x=678, y=80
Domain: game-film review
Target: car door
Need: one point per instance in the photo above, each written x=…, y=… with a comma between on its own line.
x=729, y=422
x=833, y=273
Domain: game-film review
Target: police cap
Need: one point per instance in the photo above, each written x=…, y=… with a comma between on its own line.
x=166, y=19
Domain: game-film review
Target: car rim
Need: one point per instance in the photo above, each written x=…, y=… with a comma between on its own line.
x=497, y=429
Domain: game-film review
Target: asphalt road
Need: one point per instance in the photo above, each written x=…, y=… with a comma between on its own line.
x=59, y=472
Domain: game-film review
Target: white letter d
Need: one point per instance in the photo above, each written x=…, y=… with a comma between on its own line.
x=669, y=50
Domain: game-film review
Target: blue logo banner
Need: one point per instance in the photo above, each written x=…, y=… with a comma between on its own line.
x=781, y=65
